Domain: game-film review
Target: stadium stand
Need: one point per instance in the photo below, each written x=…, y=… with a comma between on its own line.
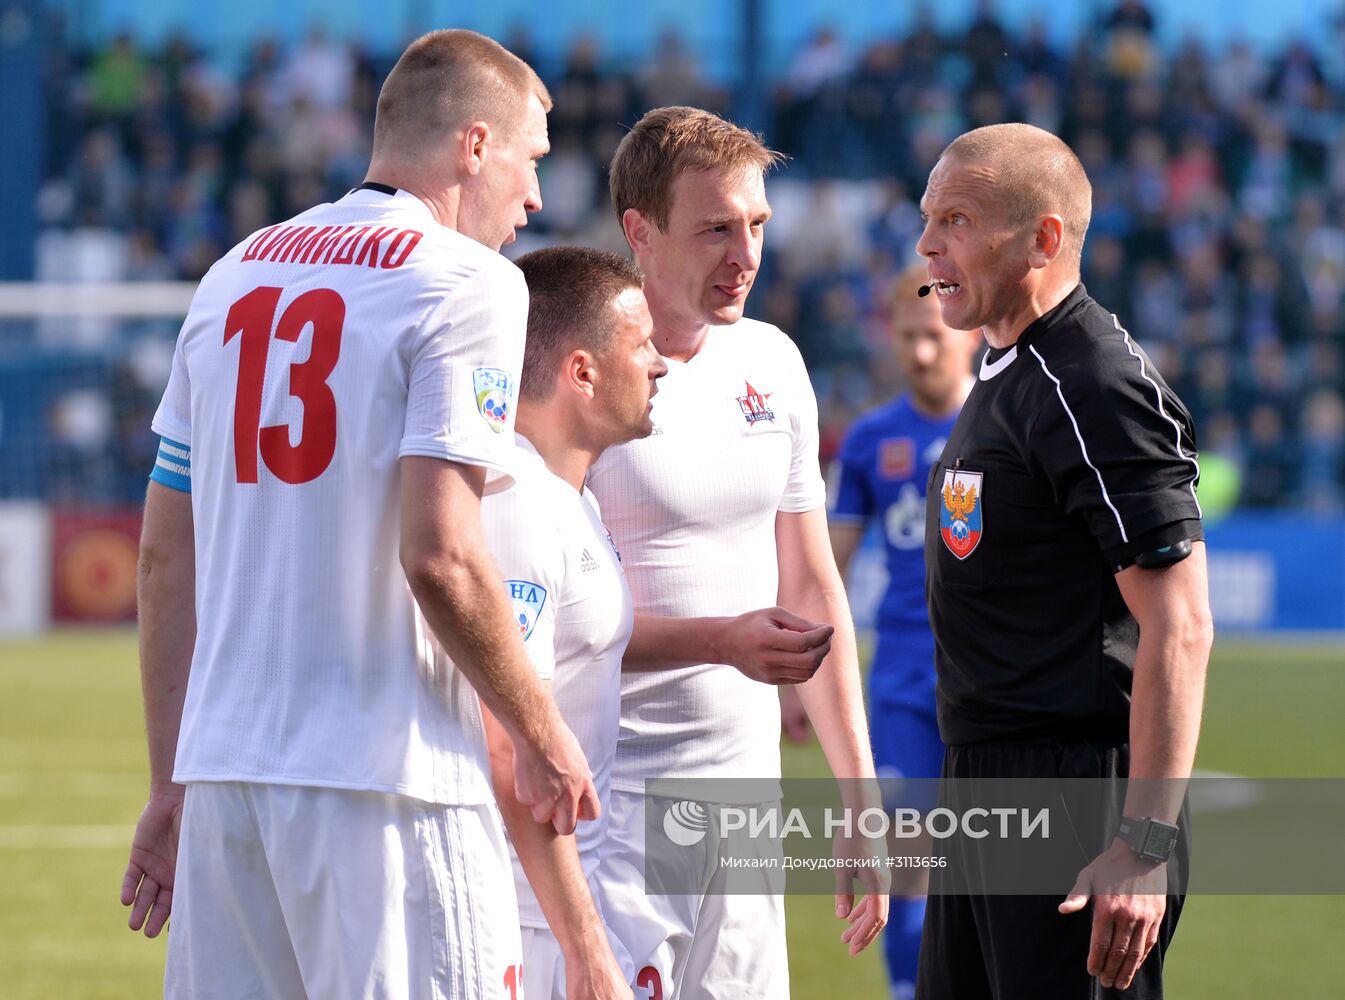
x=1218, y=230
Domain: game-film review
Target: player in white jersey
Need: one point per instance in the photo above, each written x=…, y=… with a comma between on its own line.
x=720, y=509
x=587, y=384
x=588, y=380
x=342, y=391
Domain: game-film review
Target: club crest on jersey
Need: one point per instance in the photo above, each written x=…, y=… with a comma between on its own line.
x=494, y=395
x=960, y=511
x=896, y=458
x=754, y=405
x=528, y=599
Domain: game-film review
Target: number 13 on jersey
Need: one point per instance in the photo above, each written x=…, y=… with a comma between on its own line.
x=251, y=319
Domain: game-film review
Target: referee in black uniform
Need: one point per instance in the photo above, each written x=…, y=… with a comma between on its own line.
x=1066, y=577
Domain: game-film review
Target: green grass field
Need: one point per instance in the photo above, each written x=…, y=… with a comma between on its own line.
x=72, y=780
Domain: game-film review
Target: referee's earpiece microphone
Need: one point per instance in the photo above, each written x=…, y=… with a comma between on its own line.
x=926, y=289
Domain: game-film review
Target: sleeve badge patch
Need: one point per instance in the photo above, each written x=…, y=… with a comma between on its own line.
x=494, y=396
x=528, y=599
x=960, y=511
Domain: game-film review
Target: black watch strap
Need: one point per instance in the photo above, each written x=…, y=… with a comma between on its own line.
x=1151, y=839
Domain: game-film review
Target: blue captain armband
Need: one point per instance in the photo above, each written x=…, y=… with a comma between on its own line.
x=173, y=466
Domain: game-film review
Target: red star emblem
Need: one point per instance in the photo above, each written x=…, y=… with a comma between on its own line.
x=754, y=406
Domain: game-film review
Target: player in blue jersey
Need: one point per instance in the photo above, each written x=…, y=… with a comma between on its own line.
x=884, y=466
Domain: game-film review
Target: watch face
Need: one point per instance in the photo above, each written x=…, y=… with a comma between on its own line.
x=1159, y=841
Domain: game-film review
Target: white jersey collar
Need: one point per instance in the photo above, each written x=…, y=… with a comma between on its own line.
x=403, y=200
x=529, y=450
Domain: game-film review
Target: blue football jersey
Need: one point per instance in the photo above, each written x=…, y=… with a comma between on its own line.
x=884, y=465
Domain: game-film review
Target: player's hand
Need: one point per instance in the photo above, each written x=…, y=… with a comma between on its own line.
x=775, y=646
x=147, y=887
x=596, y=976
x=553, y=779
x=868, y=916
x=793, y=716
x=1129, y=899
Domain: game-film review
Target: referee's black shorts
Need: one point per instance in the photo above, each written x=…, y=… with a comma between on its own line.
x=1008, y=947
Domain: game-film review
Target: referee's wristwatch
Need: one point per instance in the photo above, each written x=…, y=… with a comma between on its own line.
x=1151, y=839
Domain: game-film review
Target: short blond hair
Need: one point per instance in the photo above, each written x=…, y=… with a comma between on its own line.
x=669, y=142
x=1037, y=174
x=446, y=79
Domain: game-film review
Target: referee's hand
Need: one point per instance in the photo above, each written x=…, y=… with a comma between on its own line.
x=1129, y=900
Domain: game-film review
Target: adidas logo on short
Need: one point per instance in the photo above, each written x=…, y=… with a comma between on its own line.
x=587, y=562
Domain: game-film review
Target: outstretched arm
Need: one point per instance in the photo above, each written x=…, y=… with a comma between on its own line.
x=810, y=582
x=551, y=862
x=166, y=597
x=1171, y=606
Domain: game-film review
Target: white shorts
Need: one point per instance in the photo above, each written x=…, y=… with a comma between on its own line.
x=315, y=892
x=544, y=963
x=707, y=945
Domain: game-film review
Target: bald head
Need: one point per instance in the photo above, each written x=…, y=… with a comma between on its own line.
x=445, y=80
x=1037, y=175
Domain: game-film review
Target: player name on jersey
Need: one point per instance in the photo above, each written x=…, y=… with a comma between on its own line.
x=354, y=245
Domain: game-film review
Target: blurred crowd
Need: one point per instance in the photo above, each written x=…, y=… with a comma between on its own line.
x=1218, y=233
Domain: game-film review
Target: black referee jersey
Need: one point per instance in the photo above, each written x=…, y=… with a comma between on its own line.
x=1070, y=457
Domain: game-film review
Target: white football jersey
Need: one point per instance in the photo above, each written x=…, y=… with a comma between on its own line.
x=575, y=614
x=315, y=354
x=692, y=509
